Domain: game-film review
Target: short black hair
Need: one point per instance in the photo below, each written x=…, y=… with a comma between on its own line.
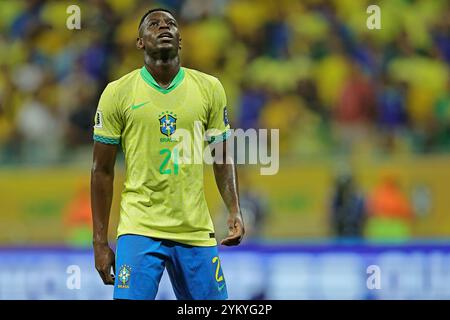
x=151, y=11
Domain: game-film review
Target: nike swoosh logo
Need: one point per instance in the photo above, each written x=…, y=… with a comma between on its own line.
x=137, y=106
x=221, y=287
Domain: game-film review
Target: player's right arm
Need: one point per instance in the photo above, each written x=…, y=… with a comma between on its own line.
x=107, y=133
x=102, y=179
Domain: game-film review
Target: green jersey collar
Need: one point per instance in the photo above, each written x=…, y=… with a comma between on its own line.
x=151, y=81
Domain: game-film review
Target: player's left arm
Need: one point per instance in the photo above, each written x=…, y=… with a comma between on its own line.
x=227, y=181
x=224, y=168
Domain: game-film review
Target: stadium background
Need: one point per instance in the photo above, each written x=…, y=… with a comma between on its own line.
x=364, y=115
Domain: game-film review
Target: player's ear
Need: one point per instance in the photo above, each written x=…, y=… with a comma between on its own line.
x=179, y=44
x=139, y=43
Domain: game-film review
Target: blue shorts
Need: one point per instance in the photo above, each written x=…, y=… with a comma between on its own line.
x=195, y=272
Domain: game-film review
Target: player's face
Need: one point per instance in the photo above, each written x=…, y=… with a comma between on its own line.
x=159, y=31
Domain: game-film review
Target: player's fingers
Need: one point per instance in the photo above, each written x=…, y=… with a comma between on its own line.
x=235, y=233
x=231, y=225
x=102, y=275
x=226, y=242
x=231, y=232
x=109, y=279
x=238, y=231
x=230, y=242
x=233, y=240
x=239, y=227
x=105, y=274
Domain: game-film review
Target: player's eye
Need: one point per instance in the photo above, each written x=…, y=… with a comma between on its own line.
x=153, y=24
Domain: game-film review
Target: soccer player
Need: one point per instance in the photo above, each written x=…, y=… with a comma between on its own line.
x=164, y=219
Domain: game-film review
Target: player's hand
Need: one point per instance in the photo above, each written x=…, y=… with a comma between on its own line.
x=104, y=261
x=236, y=230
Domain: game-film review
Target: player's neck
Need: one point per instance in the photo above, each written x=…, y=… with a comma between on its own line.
x=163, y=70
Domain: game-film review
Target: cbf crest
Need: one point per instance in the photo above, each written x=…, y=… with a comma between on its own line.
x=168, y=123
x=124, y=277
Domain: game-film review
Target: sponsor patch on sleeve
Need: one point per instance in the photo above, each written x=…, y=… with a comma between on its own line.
x=225, y=116
x=98, y=120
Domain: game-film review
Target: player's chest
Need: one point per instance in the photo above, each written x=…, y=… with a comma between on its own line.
x=154, y=111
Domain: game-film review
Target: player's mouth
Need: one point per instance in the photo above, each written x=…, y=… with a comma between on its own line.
x=165, y=35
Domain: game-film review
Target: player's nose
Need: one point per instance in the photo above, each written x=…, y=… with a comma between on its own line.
x=163, y=25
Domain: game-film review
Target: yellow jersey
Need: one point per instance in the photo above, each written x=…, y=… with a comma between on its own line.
x=163, y=197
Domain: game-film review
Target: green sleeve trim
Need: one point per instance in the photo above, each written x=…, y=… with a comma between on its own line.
x=106, y=140
x=220, y=138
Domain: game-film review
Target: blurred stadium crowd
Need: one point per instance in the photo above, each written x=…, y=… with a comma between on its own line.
x=310, y=68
